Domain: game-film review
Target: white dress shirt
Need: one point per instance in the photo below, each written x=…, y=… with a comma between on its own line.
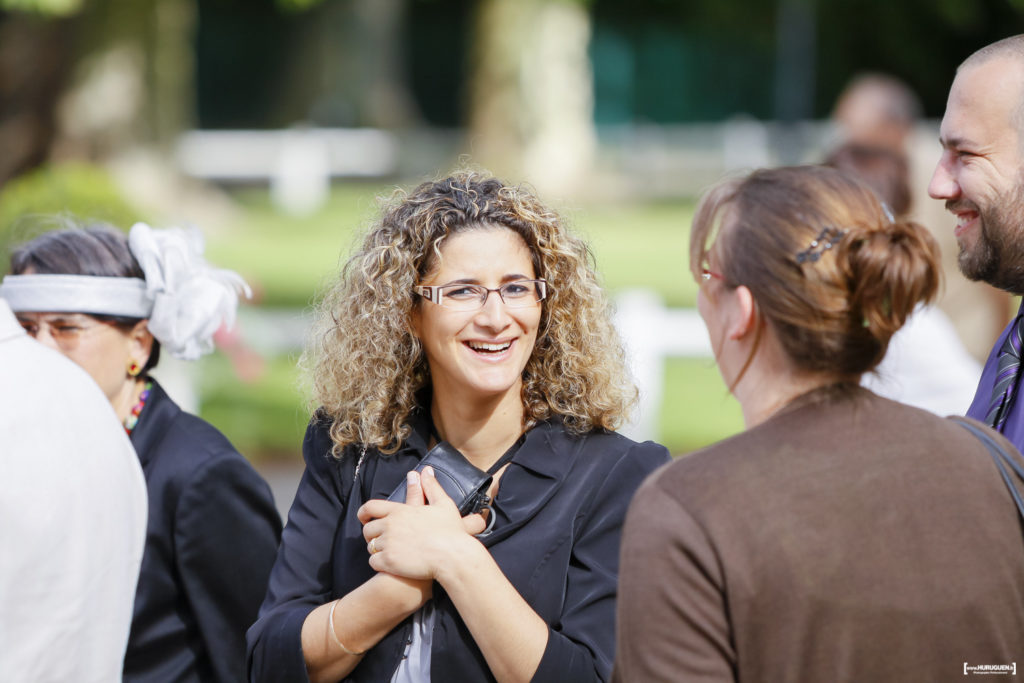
x=72, y=519
x=927, y=366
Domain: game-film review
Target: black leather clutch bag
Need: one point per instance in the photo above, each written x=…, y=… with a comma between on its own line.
x=465, y=483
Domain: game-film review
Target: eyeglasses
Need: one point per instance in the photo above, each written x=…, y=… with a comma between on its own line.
x=65, y=330
x=463, y=297
x=706, y=274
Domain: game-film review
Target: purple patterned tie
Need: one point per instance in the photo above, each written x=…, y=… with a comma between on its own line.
x=1008, y=371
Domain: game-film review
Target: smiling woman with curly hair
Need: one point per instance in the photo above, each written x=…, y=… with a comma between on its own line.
x=368, y=364
x=469, y=317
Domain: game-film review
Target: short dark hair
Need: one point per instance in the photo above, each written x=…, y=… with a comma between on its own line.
x=97, y=250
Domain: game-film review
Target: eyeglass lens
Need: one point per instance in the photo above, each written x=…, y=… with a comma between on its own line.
x=471, y=297
x=64, y=331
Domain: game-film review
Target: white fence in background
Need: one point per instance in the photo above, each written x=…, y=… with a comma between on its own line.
x=651, y=333
x=299, y=163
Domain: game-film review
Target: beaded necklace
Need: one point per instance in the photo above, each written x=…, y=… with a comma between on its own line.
x=133, y=416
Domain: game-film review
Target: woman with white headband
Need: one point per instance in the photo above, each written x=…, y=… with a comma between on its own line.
x=111, y=304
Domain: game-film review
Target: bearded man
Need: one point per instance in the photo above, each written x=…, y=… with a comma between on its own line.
x=981, y=178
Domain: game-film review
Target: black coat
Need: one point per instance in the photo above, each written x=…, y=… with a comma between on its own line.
x=211, y=538
x=559, y=515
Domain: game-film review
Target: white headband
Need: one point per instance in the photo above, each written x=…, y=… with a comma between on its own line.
x=78, y=293
x=185, y=299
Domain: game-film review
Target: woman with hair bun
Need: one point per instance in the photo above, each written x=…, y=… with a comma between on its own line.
x=112, y=303
x=470, y=319
x=842, y=536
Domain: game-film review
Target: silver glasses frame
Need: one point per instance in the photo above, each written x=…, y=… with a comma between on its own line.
x=435, y=293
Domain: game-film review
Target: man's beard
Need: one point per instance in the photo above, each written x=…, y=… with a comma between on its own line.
x=998, y=254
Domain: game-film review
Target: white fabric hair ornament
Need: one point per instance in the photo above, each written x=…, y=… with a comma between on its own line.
x=185, y=299
x=191, y=299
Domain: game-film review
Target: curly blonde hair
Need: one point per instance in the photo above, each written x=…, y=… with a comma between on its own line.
x=367, y=364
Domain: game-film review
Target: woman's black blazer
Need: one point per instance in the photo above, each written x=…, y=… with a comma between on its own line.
x=559, y=515
x=211, y=539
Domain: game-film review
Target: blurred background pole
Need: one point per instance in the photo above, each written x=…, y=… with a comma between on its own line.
x=171, y=104
x=795, y=59
x=531, y=92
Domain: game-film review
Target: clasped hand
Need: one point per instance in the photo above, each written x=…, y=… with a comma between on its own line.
x=417, y=539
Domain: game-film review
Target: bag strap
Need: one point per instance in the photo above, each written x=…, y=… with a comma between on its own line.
x=513, y=449
x=1002, y=458
x=507, y=456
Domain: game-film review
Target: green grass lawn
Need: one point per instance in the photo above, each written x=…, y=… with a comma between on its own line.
x=696, y=410
x=265, y=417
x=642, y=245
x=288, y=260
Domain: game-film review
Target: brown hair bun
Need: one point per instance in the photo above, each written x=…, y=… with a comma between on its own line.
x=829, y=270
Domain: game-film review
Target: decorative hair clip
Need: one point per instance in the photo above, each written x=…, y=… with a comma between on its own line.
x=888, y=213
x=826, y=239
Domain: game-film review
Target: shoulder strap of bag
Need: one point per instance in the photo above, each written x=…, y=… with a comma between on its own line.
x=507, y=456
x=1004, y=461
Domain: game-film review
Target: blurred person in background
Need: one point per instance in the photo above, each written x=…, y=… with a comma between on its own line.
x=928, y=340
x=842, y=536
x=470, y=316
x=73, y=514
x=883, y=169
x=882, y=112
x=112, y=303
x=877, y=110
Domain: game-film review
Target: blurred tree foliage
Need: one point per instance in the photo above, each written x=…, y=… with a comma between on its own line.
x=29, y=96
x=136, y=57
x=53, y=8
x=332, y=64
x=298, y=5
x=919, y=41
x=141, y=97
x=718, y=44
x=40, y=199
x=395, y=63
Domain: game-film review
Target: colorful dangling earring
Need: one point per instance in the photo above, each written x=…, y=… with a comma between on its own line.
x=134, y=369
